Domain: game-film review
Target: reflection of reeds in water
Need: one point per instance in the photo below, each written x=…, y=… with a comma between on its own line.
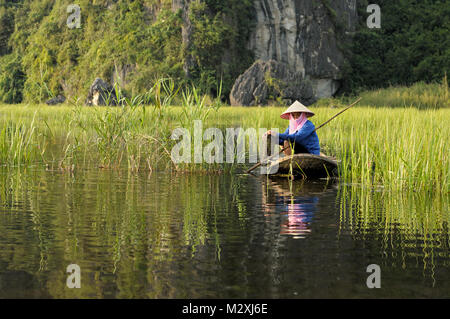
x=141, y=235
x=414, y=223
x=113, y=224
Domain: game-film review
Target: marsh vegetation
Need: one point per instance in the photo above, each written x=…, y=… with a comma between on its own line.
x=400, y=147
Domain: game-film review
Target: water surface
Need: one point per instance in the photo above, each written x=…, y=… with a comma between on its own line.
x=206, y=236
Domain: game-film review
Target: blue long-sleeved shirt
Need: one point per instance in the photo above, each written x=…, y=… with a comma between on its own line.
x=305, y=137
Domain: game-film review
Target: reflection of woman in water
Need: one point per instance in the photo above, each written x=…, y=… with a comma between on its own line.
x=295, y=203
x=299, y=213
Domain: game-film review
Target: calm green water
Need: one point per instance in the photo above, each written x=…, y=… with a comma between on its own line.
x=228, y=236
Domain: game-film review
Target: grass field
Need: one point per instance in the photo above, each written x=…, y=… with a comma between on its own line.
x=402, y=147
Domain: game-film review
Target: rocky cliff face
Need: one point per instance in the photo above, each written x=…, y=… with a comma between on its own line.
x=306, y=35
x=271, y=82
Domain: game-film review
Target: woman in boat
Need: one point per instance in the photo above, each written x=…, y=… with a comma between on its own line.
x=300, y=134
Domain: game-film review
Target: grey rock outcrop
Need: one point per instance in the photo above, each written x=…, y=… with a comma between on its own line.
x=101, y=93
x=266, y=81
x=56, y=100
x=307, y=35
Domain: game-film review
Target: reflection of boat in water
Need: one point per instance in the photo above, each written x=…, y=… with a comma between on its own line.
x=309, y=165
x=294, y=202
x=288, y=188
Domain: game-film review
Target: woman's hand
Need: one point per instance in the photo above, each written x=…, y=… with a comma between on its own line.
x=270, y=132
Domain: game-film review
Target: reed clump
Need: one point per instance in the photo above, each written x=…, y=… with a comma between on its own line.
x=21, y=142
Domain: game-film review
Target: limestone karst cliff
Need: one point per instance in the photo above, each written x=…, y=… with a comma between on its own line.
x=307, y=35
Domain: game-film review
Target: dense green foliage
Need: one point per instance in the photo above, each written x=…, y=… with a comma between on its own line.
x=137, y=42
x=132, y=42
x=220, y=30
x=412, y=45
x=11, y=79
x=113, y=39
x=7, y=25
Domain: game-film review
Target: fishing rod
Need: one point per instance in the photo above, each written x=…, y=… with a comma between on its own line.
x=320, y=126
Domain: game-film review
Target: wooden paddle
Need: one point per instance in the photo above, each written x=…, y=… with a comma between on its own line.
x=320, y=126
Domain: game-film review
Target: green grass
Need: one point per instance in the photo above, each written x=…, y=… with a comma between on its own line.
x=419, y=95
x=394, y=147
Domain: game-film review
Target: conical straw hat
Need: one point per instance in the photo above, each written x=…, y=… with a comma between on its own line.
x=296, y=107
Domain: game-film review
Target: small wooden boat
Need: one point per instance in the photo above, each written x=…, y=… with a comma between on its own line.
x=307, y=165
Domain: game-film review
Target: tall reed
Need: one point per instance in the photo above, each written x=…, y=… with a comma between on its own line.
x=20, y=142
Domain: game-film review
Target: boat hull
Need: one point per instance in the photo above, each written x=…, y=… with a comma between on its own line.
x=306, y=165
